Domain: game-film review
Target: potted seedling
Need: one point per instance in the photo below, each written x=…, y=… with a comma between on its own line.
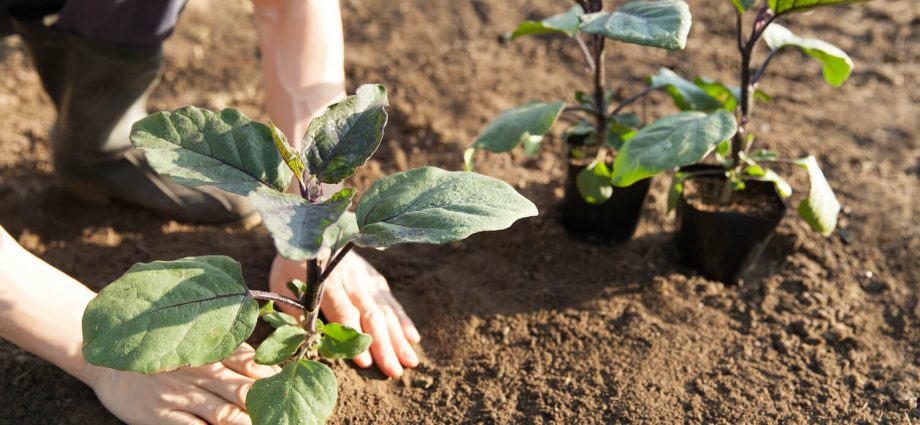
x=605, y=186
x=726, y=213
x=164, y=315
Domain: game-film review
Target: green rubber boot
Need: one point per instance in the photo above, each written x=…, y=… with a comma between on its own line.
x=99, y=91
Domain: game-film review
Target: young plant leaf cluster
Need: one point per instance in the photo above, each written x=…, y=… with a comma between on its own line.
x=164, y=315
x=624, y=151
x=740, y=161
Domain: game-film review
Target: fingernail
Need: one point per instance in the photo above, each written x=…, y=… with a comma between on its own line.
x=413, y=335
x=410, y=357
x=363, y=360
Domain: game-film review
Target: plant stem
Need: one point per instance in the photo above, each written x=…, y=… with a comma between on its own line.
x=584, y=49
x=600, y=90
x=764, y=17
x=271, y=296
x=336, y=260
x=632, y=99
x=312, y=296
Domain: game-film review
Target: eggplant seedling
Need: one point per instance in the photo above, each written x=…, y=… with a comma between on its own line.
x=194, y=311
x=735, y=185
x=611, y=155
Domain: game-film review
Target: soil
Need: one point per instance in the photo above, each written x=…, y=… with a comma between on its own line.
x=703, y=193
x=526, y=325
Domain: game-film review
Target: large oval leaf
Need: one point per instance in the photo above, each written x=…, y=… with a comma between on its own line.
x=341, y=232
x=821, y=207
x=673, y=141
x=303, y=393
x=431, y=205
x=787, y=6
x=196, y=147
x=514, y=125
x=837, y=65
x=164, y=315
x=563, y=23
x=656, y=23
x=346, y=134
x=296, y=225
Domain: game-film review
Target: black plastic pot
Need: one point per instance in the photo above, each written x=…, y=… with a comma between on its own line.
x=724, y=245
x=612, y=221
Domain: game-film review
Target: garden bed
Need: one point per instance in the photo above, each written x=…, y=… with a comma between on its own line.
x=527, y=325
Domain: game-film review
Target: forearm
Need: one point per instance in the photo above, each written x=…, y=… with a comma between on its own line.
x=41, y=309
x=302, y=60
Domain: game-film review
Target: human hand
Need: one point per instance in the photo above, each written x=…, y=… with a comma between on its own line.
x=358, y=296
x=212, y=394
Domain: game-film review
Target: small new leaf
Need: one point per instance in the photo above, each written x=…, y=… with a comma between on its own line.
x=303, y=393
x=686, y=95
x=837, y=65
x=655, y=23
x=197, y=147
x=743, y=5
x=757, y=172
x=279, y=319
x=346, y=134
x=515, y=125
x=290, y=156
x=564, y=23
x=431, y=205
x=164, y=315
x=296, y=225
x=280, y=345
x=342, y=342
x=593, y=183
x=676, y=190
x=297, y=287
x=673, y=141
x=821, y=207
x=789, y=6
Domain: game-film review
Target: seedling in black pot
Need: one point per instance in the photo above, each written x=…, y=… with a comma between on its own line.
x=726, y=213
x=164, y=315
x=611, y=156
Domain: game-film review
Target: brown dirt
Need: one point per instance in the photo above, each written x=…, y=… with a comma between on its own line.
x=527, y=326
x=758, y=199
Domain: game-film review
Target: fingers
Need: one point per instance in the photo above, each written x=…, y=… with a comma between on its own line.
x=404, y=350
x=408, y=327
x=374, y=322
x=337, y=307
x=174, y=417
x=215, y=410
x=241, y=362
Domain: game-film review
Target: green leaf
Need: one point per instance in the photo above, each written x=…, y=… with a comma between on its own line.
x=515, y=125
x=280, y=345
x=279, y=319
x=342, y=232
x=197, y=147
x=297, y=287
x=593, y=183
x=764, y=155
x=431, y=205
x=837, y=65
x=532, y=145
x=789, y=6
x=468, y=158
x=342, y=342
x=655, y=23
x=296, y=225
x=303, y=393
x=291, y=157
x=563, y=23
x=686, y=95
x=164, y=315
x=673, y=141
x=821, y=207
x=268, y=307
x=743, y=5
x=676, y=189
x=346, y=134
x=757, y=172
